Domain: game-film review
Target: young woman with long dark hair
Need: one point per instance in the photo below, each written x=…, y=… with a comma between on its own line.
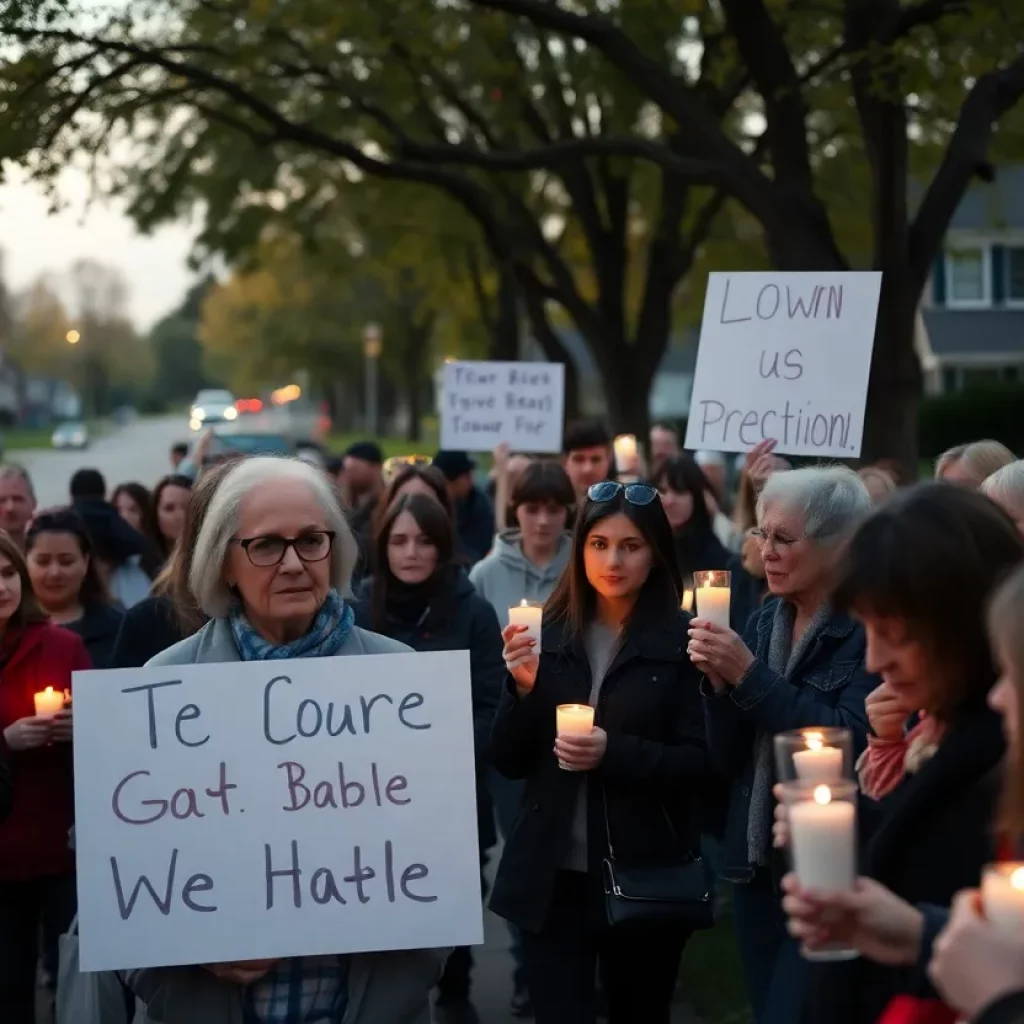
x=613, y=637
x=66, y=582
x=37, y=867
x=420, y=596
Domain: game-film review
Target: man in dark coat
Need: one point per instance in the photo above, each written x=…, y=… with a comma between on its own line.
x=474, y=514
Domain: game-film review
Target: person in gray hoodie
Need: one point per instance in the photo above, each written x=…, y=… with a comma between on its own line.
x=525, y=564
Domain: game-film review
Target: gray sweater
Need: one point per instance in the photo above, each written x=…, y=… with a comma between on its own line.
x=383, y=988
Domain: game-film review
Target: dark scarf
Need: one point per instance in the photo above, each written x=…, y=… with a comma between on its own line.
x=422, y=604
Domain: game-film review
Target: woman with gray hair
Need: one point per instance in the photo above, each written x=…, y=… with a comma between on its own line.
x=272, y=563
x=800, y=665
x=1006, y=488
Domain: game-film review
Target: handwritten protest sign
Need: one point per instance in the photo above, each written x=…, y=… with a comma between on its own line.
x=784, y=356
x=485, y=404
x=275, y=809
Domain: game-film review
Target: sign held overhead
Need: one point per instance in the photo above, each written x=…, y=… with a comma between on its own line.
x=784, y=356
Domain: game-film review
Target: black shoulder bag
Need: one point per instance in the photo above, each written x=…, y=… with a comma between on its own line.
x=670, y=893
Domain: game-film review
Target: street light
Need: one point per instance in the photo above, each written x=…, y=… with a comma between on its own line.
x=373, y=343
x=73, y=337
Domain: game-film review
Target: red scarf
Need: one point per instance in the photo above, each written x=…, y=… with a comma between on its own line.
x=908, y=1010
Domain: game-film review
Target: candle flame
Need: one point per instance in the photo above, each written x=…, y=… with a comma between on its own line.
x=815, y=740
x=1017, y=879
x=822, y=795
x=524, y=603
x=49, y=691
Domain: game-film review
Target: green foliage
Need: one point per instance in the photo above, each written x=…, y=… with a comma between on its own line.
x=989, y=412
x=177, y=353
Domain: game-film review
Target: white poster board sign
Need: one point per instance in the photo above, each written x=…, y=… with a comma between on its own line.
x=485, y=404
x=275, y=809
x=784, y=356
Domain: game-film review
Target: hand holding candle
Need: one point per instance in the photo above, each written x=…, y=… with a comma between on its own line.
x=579, y=746
x=522, y=657
x=529, y=614
x=713, y=594
x=1002, y=895
x=719, y=652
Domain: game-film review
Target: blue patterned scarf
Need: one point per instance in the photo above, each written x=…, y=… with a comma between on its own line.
x=326, y=636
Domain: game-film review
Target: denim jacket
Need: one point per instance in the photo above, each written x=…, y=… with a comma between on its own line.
x=827, y=687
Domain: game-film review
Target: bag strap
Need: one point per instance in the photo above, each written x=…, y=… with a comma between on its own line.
x=665, y=814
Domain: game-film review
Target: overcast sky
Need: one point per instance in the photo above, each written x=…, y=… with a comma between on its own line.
x=35, y=241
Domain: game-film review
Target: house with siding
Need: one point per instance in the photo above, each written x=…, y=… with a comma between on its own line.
x=972, y=313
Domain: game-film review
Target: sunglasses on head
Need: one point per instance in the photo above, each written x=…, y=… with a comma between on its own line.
x=635, y=494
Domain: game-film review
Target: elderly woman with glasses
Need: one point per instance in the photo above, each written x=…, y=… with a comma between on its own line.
x=799, y=665
x=272, y=562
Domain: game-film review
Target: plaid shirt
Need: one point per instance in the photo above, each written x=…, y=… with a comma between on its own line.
x=302, y=990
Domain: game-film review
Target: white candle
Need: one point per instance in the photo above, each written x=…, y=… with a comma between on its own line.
x=688, y=600
x=49, y=702
x=625, y=451
x=823, y=841
x=1002, y=896
x=818, y=763
x=713, y=604
x=574, y=719
x=529, y=614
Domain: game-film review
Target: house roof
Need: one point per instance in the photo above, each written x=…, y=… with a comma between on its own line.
x=974, y=331
x=998, y=206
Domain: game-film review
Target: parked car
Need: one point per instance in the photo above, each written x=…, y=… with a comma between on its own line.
x=73, y=435
x=212, y=406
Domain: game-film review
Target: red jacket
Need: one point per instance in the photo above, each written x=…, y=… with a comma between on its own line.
x=34, y=837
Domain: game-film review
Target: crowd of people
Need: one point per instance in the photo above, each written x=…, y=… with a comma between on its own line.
x=890, y=612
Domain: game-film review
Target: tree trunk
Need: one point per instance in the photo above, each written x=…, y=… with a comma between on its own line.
x=627, y=389
x=505, y=329
x=890, y=429
x=414, y=384
x=554, y=351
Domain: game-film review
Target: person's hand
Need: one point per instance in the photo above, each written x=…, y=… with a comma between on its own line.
x=887, y=713
x=721, y=650
x=974, y=963
x=762, y=462
x=780, y=827
x=521, y=657
x=242, y=972
x=582, y=753
x=501, y=455
x=868, y=918
x=29, y=733
x=62, y=726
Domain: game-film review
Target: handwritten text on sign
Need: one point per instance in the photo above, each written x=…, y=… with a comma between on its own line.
x=784, y=356
x=484, y=404
x=244, y=811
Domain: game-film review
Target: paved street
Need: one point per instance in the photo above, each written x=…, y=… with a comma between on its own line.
x=137, y=452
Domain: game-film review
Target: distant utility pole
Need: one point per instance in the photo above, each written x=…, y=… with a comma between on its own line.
x=372, y=346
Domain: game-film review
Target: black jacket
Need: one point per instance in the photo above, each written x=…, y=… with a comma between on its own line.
x=459, y=620
x=925, y=841
x=6, y=790
x=1008, y=1010
x=698, y=550
x=652, y=772
x=147, y=630
x=474, y=524
x=98, y=627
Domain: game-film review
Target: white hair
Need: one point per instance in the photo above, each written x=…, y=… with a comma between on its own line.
x=206, y=577
x=1006, y=486
x=12, y=471
x=831, y=499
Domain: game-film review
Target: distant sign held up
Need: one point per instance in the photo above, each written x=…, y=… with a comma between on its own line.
x=484, y=404
x=784, y=356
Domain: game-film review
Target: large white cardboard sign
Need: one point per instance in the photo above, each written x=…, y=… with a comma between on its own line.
x=275, y=809
x=784, y=356
x=485, y=404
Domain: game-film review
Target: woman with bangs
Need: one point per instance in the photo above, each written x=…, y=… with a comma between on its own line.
x=919, y=575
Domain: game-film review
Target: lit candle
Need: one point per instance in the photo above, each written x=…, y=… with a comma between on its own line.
x=573, y=720
x=712, y=593
x=688, y=600
x=49, y=702
x=818, y=763
x=625, y=452
x=823, y=840
x=1002, y=896
x=529, y=614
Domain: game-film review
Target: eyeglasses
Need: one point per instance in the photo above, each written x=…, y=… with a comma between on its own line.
x=778, y=541
x=271, y=548
x=635, y=494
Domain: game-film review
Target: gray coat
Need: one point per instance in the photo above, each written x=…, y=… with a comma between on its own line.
x=383, y=988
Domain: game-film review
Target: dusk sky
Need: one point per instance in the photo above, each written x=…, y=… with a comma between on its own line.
x=36, y=242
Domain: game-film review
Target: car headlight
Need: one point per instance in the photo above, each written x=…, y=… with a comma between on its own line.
x=231, y=413
x=199, y=413
x=195, y=424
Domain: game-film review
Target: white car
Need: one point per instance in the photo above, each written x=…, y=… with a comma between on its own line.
x=210, y=407
x=71, y=435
